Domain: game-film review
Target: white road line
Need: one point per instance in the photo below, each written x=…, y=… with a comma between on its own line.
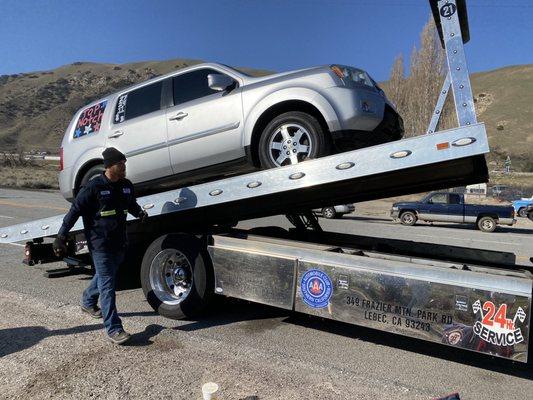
x=6, y=216
x=16, y=244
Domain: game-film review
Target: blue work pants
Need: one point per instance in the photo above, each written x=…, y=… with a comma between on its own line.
x=103, y=286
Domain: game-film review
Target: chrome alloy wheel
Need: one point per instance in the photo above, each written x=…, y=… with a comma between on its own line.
x=329, y=212
x=408, y=218
x=487, y=224
x=289, y=144
x=171, y=276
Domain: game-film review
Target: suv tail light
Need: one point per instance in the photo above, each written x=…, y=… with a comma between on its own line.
x=61, y=159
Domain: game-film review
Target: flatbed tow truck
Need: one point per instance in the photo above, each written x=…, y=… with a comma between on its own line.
x=188, y=251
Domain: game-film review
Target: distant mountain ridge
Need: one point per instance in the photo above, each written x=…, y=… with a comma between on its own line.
x=36, y=107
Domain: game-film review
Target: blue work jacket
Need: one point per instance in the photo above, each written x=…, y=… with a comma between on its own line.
x=104, y=206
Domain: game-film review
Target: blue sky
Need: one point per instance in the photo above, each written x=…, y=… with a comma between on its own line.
x=268, y=34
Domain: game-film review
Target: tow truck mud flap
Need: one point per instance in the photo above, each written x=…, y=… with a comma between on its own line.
x=479, y=309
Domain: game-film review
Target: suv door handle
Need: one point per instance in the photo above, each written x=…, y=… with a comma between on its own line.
x=178, y=116
x=116, y=134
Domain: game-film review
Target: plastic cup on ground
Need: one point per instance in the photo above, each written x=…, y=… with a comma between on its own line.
x=209, y=391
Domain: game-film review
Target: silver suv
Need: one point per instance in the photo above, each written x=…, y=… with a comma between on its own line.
x=209, y=121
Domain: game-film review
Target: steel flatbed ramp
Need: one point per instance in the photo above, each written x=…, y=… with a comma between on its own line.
x=429, y=162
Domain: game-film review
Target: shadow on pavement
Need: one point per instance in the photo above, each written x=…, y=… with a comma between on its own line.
x=369, y=218
x=227, y=311
x=471, y=227
x=13, y=340
x=143, y=338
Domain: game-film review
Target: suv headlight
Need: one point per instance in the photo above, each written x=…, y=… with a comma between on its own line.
x=350, y=74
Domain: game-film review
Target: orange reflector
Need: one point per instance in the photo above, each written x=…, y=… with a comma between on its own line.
x=443, y=145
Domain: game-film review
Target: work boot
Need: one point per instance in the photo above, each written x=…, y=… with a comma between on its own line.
x=119, y=337
x=93, y=311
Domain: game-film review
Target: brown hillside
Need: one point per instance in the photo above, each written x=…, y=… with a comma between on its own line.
x=504, y=102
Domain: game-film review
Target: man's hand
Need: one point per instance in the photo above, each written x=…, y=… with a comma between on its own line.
x=143, y=216
x=60, y=246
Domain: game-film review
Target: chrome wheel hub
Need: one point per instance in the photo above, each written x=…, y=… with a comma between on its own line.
x=289, y=144
x=171, y=276
x=487, y=225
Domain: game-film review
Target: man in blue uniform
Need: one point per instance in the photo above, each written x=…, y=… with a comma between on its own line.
x=104, y=203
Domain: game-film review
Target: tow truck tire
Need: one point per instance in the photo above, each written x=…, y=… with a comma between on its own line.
x=177, y=276
x=408, y=218
x=522, y=212
x=329, y=212
x=486, y=224
x=312, y=135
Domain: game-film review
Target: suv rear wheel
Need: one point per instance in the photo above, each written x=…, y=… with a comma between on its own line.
x=290, y=138
x=91, y=173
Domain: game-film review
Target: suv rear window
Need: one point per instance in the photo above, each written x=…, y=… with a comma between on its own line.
x=139, y=102
x=192, y=85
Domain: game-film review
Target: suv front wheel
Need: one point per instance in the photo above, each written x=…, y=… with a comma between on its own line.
x=290, y=138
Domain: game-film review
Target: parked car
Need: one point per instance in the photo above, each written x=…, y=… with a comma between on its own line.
x=335, y=211
x=451, y=207
x=209, y=121
x=529, y=212
x=520, y=206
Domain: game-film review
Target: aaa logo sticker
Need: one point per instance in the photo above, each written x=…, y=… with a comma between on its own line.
x=495, y=327
x=316, y=288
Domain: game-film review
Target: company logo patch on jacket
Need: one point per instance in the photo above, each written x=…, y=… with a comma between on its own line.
x=126, y=190
x=105, y=192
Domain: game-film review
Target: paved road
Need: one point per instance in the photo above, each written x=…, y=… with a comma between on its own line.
x=48, y=349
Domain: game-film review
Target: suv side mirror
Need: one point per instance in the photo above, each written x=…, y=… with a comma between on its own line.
x=219, y=82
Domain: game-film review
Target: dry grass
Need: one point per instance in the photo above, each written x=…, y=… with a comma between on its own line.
x=31, y=175
x=519, y=180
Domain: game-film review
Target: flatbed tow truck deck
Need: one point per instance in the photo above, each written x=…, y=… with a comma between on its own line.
x=188, y=252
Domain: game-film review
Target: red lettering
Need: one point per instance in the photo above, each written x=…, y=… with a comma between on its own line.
x=491, y=308
x=500, y=317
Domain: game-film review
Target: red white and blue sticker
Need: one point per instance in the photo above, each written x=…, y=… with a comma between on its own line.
x=90, y=120
x=316, y=288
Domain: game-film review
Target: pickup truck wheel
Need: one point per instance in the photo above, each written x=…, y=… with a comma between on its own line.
x=329, y=212
x=177, y=276
x=290, y=138
x=522, y=212
x=408, y=218
x=486, y=224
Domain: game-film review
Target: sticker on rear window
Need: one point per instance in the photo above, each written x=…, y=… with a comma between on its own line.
x=90, y=120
